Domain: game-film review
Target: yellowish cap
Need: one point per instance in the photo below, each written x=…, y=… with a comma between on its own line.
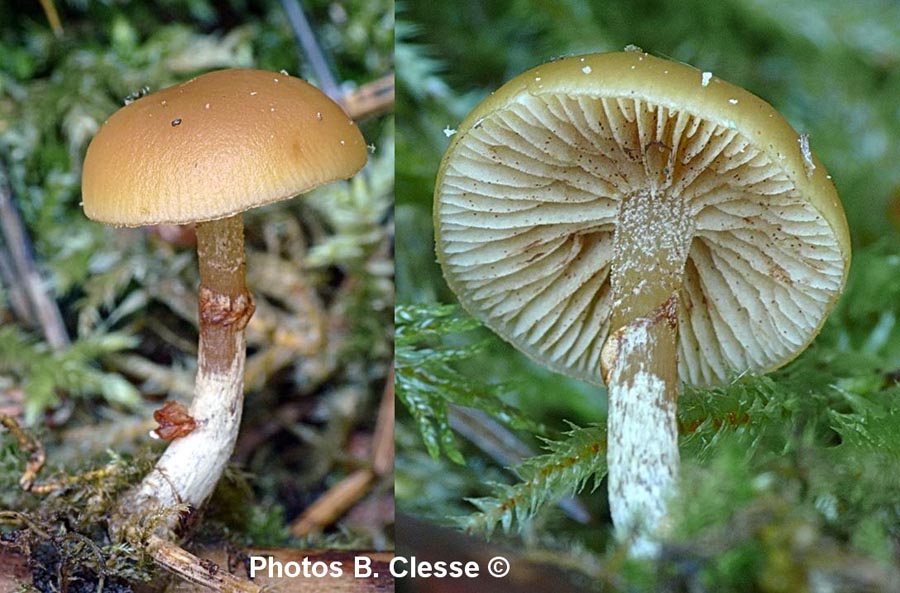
x=214, y=146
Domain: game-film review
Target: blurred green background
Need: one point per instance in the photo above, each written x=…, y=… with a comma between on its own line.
x=789, y=478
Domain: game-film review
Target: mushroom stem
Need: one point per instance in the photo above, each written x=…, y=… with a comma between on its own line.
x=190, y=467
x=639, y=360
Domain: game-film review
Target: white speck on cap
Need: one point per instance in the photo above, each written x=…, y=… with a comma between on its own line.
x=806, y=152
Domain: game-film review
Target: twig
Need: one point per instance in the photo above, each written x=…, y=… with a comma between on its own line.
x=17, y=297
x=378, y=581
x=333, y=503
x=36, y=454
x=383, y=440
x=36, y=459
x=313, y=53
x=52, y=17
x=371, y=99
x=23, y=263
x=196, y=570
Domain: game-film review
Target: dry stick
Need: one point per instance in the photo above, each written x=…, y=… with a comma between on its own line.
x=34, y=448
x=346, y=582
x=348, y=491
x=383, y=440
x=371, y=99
x=52, y=17
x=196, y=570
x=23, y=262
x=311, y=50
x=333, y=503
x=17, y=297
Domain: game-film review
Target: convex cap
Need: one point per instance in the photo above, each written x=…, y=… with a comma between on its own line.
x=214, y=146
x=527, y=197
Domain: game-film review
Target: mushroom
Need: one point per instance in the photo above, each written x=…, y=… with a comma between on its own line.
x=634, y=222
x=204, y=152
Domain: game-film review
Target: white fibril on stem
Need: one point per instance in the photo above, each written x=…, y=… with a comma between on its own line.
x=650, y=245
x=643, y=454
x=190, y=467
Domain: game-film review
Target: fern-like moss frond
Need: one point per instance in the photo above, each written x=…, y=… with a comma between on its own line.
x=567, y=467
x=44, y=374
x=427, y=381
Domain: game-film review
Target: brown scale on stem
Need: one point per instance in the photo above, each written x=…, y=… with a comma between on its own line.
x=609, y=356
x=219, y=309
x=174, y=421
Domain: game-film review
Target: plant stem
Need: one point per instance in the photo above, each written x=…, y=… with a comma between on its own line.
x=191, y=466
x=651, y=244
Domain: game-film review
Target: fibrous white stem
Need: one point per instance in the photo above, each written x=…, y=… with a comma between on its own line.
x=642, y=456
x=191, y=466
x=651, y=244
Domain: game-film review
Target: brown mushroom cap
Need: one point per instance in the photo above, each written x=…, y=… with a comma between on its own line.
x=528, y=192
x=214, y=146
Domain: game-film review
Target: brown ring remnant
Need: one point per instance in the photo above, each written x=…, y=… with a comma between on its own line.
x=221, y=309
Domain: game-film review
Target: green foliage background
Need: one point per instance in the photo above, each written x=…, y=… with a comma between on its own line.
x=790, y=480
